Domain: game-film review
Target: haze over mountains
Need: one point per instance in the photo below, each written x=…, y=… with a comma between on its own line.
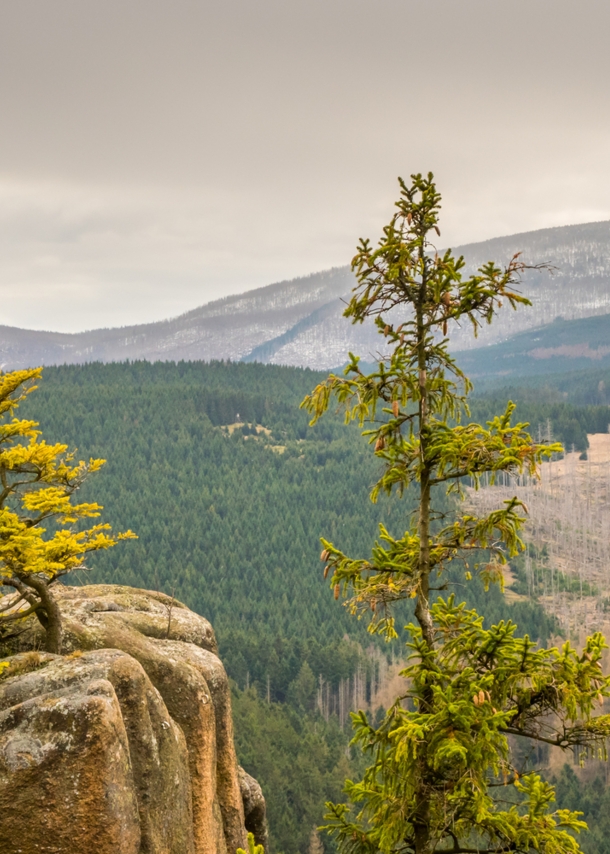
x=300, y=322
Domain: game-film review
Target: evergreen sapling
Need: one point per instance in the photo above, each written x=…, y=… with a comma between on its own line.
x=442, y=776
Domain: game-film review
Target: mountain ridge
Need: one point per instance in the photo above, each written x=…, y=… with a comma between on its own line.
x=559, y=347
x=299, y=322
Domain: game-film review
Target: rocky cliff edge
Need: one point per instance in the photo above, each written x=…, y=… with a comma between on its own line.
x=125, y=742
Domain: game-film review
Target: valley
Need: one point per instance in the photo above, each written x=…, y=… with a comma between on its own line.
x=230, y=526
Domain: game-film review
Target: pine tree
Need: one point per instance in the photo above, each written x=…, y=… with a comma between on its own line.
x=442, y=776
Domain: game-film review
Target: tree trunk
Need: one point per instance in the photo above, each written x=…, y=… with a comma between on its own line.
x=421, y=825
x=422, y=606
x=50, y=618
x=422, y=839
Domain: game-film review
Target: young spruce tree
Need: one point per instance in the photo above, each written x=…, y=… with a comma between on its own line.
x=442, y=776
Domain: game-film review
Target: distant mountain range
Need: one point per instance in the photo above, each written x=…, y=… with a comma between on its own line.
x=300, y=322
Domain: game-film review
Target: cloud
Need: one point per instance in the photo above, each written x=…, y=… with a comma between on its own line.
x=156, y=155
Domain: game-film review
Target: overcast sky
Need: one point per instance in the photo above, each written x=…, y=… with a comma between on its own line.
x=157, y=154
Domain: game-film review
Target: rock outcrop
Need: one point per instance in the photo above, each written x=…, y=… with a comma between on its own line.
x=254, y=807
x=124, y=743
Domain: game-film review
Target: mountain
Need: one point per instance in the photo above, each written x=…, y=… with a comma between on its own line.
x=557, y=348
x=299, y=322
x=230, y=328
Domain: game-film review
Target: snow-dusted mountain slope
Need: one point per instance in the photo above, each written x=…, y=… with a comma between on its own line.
x=225, y=329
x=578, y=287
x=300, y=322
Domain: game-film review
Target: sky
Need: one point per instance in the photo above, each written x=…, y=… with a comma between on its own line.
x=159, y=154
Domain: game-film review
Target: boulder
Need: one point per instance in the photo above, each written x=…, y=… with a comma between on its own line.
x=254, y=807
x=140, y=708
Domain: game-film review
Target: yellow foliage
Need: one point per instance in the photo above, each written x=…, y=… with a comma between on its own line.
x=37, y=486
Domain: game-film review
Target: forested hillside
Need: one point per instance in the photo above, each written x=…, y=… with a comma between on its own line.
x=210, y=505
x=557, y=348
x=589, y=387
x=216, y=470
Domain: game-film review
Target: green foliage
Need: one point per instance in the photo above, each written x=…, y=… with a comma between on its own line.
x=443, y=751
x=528, y=616
x=300, y=761
x=421, y=391
x=484, y=685
x=253, y=848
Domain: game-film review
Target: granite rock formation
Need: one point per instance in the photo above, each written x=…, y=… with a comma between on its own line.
x=125, y=742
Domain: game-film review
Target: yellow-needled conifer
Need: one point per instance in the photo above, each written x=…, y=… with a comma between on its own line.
x=42, y=537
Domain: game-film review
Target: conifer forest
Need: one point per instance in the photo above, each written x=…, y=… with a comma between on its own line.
x=215, y=468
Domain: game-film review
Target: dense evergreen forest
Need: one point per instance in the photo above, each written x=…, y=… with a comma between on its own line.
x=589, y=387
x=592, y=798
x=549, y=413
x=216, y=469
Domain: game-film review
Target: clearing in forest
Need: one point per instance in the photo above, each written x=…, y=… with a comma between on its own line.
x=567, y=562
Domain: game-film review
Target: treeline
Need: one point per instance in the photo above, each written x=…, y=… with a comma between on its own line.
x=590, y=387
x=276, y=664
